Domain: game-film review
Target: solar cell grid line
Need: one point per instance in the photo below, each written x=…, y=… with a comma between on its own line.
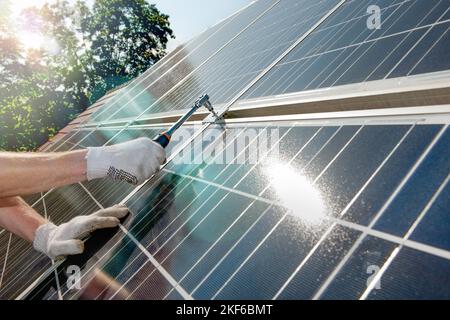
x=14, y=246
x=373, y=43
x=325, y=285
x=325, y=22
x=394, y=254
x=171, y=191
x=25, y=265
x=108, y=193
x=416, y=26
x=184, y=208
x=152, y=260
x=189, y=218
x=193, y=46
x=399, y=44
x=311, y=70
x=356, y=46
x=34, y=258
x=310, y=51
x=306, y=144
x=267, y=69
x=160, y=268
x=214, y=64
x=12, y=285
x=233, y=190
x=381, y=211
x=431, y=48
x=285, y=215
x=237, y=219
x=392, y=16
x=326, y=234
x=61, y=141
x=67, y=202
x=49, y=272
x=318, y=23
x=5, y=261
x=361, y=284
x=220, y=238
x=21, y=263
x=433, y=230
x=265, y=8
x=418, y=246
x=412, y=49
x=58, y=287
x=36, y=289
x=269, y=55
x=219, y=49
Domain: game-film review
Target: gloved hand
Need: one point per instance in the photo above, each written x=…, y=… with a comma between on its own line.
x=66, y=239
x=133, y=161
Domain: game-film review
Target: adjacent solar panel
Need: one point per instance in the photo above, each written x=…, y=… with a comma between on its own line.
x=280, y=210
x=231, y=68
x=413, y=38
x=167, y=73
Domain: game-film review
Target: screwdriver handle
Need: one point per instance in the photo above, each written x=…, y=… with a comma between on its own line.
x=162, y=139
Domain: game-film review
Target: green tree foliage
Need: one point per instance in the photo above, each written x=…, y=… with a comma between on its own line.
x=88, y=51
x=127, y=37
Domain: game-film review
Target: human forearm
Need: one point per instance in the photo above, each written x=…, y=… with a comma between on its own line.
x=28, y=173
x=19, y=218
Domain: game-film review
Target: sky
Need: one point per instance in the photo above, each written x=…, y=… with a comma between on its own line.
x=188, y=17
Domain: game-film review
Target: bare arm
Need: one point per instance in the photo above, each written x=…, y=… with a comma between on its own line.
x=19, y=218
x=28, y=173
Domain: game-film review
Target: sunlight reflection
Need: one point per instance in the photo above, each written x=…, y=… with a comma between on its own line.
x=31, y=40
x=297, y=193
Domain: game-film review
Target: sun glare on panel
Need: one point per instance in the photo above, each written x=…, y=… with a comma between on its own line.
x=297, y=194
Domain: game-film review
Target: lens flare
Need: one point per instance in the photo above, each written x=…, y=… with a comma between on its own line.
x=31, y=40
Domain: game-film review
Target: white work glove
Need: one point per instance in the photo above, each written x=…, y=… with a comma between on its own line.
x=133, y=161
x=66, y=239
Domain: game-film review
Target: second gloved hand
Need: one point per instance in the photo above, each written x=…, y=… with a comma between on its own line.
x=133, y=161
x=66, y=239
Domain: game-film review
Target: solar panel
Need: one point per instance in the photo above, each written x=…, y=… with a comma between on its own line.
x=228, y=71
x=216, y=239
x=185, y=60
x=286, y=209
x=343, y=50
